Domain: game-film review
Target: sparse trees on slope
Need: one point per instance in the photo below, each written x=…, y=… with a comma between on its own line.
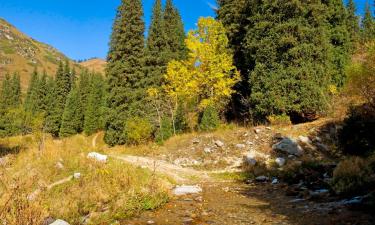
x=353, y=21
x=125, y=69
x=30, y=103
x=368, y=26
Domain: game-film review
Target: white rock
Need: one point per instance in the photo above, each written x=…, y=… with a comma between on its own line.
x=257, y=130
x=59, y=222
x=275, y=181
x=305, y=140
x=77, y=175
x=59, y=166
x=249, y=143
x=219, y=143
x=280, y=161
x=185, y=190
x=240, y=146
x=288, y=146
x=98, y=157
x=196, y=141
x=250, y=160
x=207, y=150
x=268, y=128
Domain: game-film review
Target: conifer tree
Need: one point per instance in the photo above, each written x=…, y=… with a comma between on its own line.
x=353, y=21
x=6, y=93
x=71, y=122
x=125, y=69
x=368, y=26
x=31, y=99
x=94, y=114
x=156, y=49
x=41, y=93
x=15, y=85
x=53, y=118
x=84, y=88
x=174, y=32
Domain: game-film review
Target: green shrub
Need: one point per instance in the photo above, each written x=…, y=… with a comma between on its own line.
x=357, y=135
x=165, y=131
x=279, y=120
x=137, y=130
x=351, y=176
x=210, y=120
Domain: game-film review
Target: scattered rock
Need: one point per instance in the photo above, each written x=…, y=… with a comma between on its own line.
x=98, y=157
x=48, y=221
x=268, y=128
x=257, y=130
x=250, y=160
x=304, y=140
x=280, y=161
x=219, y=143
x=275, y=181
x=150, y=222
x=77, y=175
x=185, y=190
x=59, y=166
x=3, y=161
x=318, y=194
x=196, y=141
x=249, y=143
x=261, y=179
x=59, y=222
x=288, y=146
x=207, y=150
x=240, y=146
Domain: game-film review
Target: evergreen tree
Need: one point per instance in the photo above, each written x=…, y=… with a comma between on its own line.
x=6, y=93
x=290, y=45
x=368, y=29
x=72, y=118
x=41, y=93
x=15, y=88
x=125, y=69
x=156, y=49
x=53, y=117
x=353, y=21
x=31, y=95
x=94, y=114
x=174, y=33
x=340, y=40
x=84, y=89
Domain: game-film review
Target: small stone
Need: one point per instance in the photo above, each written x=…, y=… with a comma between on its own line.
x=289, y=146
x=257, y=130
x=219, y=143
x=59, y=166
x=59, y=222
x=280, y=161
x=275, y=181
x=185, y=190
x=77, y=175
x=240, y=146
x=249, y=143
x=150, y=222
x=304, y=140
x=207, y=150
x=250, y=160
x=268, y=128
x=261, y=179
x=196, y=141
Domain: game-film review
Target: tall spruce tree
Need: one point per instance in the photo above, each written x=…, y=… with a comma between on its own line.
x=94, y=114
x=84, y=88
x=53, y=117
x=368, y=26
x=156, y=49
x=6, y=93
x=125, y=69
x=15, y=86
x=290, y=45
x=340, y=40
x=71, y=122
x=174, y=33
x=353, y=21
x=31, y=99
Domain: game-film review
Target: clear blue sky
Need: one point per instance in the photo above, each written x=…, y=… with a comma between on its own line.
x=81, y=28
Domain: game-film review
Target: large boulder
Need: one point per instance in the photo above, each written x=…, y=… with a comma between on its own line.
x=288, y=146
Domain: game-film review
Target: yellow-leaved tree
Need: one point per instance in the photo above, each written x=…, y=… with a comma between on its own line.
x=207, y=76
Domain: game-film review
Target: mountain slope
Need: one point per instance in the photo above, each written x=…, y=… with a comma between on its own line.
x=95, y=64
x=20, y=53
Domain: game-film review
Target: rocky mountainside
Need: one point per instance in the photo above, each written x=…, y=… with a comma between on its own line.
x=95, y=64
x=20, y=53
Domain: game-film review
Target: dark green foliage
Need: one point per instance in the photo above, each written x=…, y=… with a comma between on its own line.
x=137, y=130
x=95, y=108
x=72, y=117
x=340, y=40
x=165, y=131
x=210, y=120
x=84, y=89
x=53, y=118
x=353, y=21
x=290, y=48
x=368, y=25
x=31, y=95
x=125, y=69
x=174, y=33
x=180, y=120
x=357, y=135
x=156, y=49
x=5, y=94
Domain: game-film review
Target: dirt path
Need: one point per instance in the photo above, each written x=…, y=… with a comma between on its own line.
x=93, y=143
x=179, y=174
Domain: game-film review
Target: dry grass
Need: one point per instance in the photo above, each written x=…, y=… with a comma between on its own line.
x=104, y=193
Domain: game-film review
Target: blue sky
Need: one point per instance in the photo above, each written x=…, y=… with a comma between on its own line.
x=81, y=28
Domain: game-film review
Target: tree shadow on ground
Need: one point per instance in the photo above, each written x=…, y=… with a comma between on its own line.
x=5, y=150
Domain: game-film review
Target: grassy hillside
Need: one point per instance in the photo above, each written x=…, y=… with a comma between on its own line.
x=20, y=53
x=96, y=64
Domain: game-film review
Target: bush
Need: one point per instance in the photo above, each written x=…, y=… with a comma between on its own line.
x=351, y=176
x=210, y=120
x=357, y=135
x=165, y=131
x=137, y=130
x=279, y=120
